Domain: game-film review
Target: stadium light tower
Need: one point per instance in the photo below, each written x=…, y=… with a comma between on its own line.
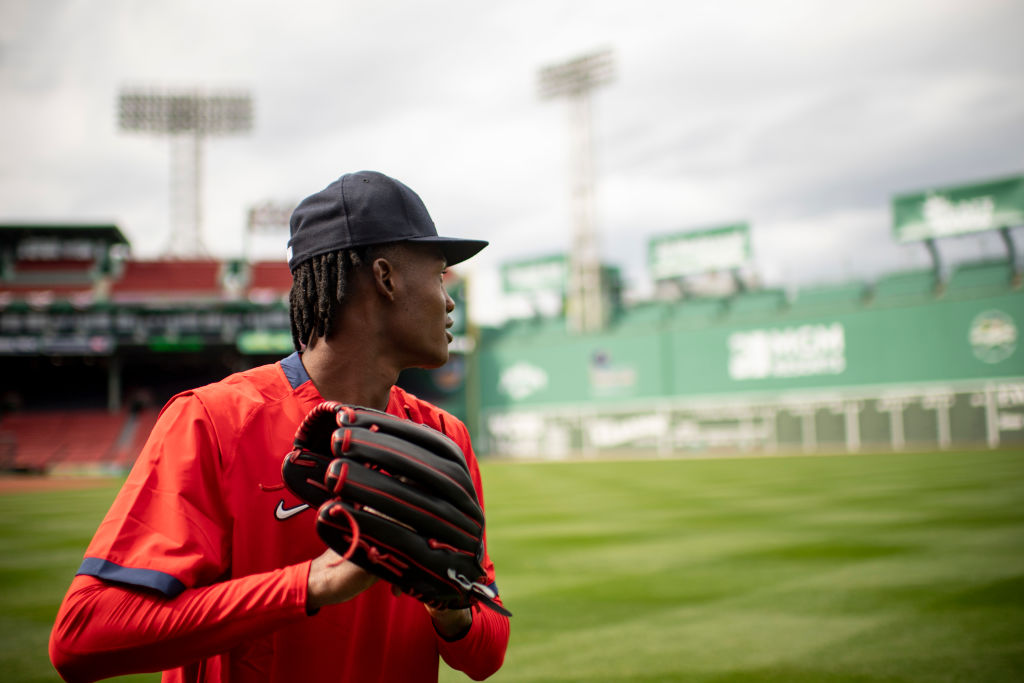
x=188, y=117
x=574, y=80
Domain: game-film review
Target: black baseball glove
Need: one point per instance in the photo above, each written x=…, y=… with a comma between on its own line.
x=395, y=498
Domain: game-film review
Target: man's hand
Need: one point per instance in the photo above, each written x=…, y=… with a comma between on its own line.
x=333, y=580
x=395, y=498
x=452, y=624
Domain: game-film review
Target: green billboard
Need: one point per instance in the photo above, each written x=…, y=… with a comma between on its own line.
x=542, y=274
x=964, y=209
x=701, y=251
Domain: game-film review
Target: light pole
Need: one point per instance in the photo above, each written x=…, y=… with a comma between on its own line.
x=574, y=80
x=187, y=117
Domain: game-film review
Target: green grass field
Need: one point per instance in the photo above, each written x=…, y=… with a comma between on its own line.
x=860, y=568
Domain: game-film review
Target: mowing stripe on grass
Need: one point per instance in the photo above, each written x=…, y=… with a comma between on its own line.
x=841, y=568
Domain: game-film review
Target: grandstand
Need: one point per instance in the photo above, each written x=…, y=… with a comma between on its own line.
x=93, y=343
x=909, y=361
x=919, y=359
x=73, y=439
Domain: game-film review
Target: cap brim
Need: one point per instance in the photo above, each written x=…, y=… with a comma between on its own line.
x=455, y=250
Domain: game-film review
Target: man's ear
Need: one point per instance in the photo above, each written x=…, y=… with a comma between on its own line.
x=384, y=277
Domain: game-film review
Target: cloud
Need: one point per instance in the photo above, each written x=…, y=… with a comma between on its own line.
x=801, y=117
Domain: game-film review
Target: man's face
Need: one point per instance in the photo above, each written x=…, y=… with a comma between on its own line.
x=423, y=306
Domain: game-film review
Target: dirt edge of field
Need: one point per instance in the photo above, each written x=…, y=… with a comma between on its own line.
x=22, y=483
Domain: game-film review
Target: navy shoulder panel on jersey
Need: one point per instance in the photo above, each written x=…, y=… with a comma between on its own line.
x=143, y=578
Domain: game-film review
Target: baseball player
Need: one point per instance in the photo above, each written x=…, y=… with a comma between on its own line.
x=206, y=567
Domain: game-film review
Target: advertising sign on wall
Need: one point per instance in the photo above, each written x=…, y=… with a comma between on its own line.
x=800, y=351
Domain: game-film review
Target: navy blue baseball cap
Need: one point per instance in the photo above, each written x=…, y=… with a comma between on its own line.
x=362, y=209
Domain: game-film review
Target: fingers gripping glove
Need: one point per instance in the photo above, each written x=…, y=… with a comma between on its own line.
x=395, y=498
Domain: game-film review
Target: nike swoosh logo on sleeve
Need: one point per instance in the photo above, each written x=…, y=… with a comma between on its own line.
x=283, y=513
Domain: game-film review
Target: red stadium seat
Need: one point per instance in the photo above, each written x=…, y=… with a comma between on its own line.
x=268, y=281
x=43, y=441
x=143, y=280
x=137, y=430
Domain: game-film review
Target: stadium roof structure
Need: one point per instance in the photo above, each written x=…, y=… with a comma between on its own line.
x=108, y=233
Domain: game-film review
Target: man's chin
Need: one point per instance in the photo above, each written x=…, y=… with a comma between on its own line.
x=434, y=364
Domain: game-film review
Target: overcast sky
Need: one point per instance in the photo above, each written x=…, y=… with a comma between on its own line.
x=803, y=118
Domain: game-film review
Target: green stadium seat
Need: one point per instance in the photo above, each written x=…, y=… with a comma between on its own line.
x=763, y=303
x=647, y=314
x=829, y=297
x=697, y=312
x=529, y=330
x=914, y=286
x=981, y=277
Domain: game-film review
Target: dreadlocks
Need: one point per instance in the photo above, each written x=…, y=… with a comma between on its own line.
x=318, y=289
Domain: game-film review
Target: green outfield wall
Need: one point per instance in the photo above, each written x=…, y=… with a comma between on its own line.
x=834, y=369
